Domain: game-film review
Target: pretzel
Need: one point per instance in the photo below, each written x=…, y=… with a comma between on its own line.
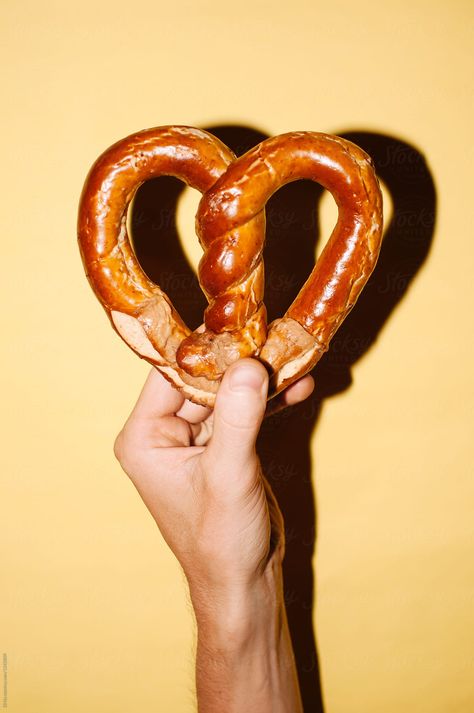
x=230, y=224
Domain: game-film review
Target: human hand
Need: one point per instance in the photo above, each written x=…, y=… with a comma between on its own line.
x=198, y=473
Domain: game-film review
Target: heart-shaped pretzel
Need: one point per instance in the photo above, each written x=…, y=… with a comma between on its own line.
x=231, y=229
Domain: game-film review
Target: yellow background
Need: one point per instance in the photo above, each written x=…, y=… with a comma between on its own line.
x=93, y=611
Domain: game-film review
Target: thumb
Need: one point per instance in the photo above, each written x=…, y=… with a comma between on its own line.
x=239, y=411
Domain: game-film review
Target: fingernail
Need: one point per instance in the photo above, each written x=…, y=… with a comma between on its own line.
x=245, y=378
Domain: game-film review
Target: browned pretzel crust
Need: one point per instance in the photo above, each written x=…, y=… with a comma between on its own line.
x=231, y=230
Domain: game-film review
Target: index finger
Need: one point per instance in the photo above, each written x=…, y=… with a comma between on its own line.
x=157, y=398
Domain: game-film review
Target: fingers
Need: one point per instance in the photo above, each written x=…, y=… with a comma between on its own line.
x=201, y=432
x=152, y=423
x=162, y=418
x=238, y=413
x=193, y=413
x=157, y=398
x=294, y=394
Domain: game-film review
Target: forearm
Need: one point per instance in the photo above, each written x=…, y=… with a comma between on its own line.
x=244, y=660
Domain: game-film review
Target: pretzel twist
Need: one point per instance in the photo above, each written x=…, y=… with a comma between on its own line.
x=230, y=225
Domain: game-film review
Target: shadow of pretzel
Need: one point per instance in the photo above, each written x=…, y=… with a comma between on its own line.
x=292, y=235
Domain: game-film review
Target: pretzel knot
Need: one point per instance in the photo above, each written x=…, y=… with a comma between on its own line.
x=231, y=228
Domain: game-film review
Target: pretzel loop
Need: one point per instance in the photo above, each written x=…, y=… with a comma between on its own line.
x=232, y=261
x=139, y=310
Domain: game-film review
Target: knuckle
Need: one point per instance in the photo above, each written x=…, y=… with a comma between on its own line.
x=124, y=450
x=118, y=446
x=240, y=422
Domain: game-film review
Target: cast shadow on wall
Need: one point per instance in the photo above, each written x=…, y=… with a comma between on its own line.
x=292, y=236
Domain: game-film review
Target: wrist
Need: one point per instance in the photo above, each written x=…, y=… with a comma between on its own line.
x=244, y=658
x=236, y=611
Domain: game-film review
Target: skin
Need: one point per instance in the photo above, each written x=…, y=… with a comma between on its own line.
x=198, y=473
